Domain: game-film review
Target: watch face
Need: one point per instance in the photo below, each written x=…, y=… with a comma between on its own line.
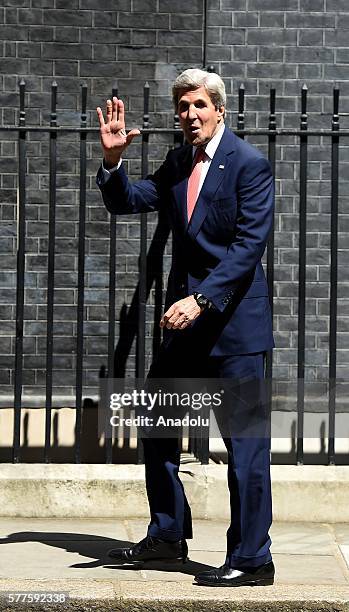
x=202, y=302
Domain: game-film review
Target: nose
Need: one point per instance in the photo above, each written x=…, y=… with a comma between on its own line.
x=192, y=112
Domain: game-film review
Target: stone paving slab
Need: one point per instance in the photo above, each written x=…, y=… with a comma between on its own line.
x=341, y=532
x=55, y=559
x=344, y=548
x=81, y=528
x=302, y=538
x=309, y=570
x=341, y=535
x=297, y=538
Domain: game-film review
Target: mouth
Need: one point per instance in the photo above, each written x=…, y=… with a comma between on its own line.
x=194, y=129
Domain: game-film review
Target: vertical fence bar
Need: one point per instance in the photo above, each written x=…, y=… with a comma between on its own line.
x=333, y=279
x=241, y=110
x=302, y=275
x=51, y=270
x=111, y=317
x=18, y=376
x=177, y=142
x=204, y=446
x=193, y=446
x=81, y=275
x=143, y=246
x=178, y=135
x=204, y=34
x=142, y=287
x=270, y=249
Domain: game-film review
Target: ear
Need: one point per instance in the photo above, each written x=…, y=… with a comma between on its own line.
x=220, y=111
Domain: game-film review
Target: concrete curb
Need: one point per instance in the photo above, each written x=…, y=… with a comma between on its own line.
x=300, y=493
x=131, y=596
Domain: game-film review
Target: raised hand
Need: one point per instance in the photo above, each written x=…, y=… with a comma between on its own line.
x=113, y=135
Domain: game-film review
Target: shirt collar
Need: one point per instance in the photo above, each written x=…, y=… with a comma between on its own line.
x=212, y=144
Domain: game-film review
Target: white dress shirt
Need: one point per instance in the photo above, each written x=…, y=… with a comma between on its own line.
x=210, y=150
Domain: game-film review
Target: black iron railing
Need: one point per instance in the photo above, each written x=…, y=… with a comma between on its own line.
x=272, y=133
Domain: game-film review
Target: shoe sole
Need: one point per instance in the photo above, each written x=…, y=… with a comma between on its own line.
x=260, y=582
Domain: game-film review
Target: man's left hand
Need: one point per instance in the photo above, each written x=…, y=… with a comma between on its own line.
x=181, y=314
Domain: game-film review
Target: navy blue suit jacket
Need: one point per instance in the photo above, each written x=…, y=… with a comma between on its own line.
x=219, y=252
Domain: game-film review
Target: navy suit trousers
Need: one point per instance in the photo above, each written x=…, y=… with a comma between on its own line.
x=248, y=541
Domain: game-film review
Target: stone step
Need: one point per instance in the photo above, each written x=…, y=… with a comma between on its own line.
x=87, y=490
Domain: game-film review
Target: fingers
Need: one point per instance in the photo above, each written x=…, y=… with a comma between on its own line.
x=115, y=110
x=130, y=136
x=181, y=314
x=175, y=318
x=182, y=322
x=100, y=116
x=166, y=316
x=109, y=110
x=183, y=325
x=119, y=110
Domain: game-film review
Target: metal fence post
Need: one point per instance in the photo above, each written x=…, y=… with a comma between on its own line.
x=270, y=246
x=333, y=279
x=81, y=275
x=302, y=274
x=111, y=317
x=142, y=287
x=20, y=274
x=241, y=110
x=51, y=269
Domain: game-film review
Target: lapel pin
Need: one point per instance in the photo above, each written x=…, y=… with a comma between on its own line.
x=221, y=167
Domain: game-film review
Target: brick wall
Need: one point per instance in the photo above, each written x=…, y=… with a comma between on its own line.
x=262, y=43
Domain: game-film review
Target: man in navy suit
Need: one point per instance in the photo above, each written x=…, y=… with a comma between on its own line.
x=217, y=192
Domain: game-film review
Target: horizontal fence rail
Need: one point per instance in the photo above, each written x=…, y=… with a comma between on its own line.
x=272, y=133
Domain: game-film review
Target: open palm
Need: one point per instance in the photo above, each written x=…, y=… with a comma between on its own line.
x=112, y=131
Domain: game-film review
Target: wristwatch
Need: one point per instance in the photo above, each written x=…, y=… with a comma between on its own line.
x=202, y=301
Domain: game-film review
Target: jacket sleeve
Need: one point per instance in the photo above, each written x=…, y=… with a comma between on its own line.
x=122, y=197
x=255, y=209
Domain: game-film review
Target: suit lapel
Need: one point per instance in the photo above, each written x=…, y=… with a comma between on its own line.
x=214, y=177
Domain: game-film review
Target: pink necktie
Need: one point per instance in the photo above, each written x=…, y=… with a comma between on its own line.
x=194, y=181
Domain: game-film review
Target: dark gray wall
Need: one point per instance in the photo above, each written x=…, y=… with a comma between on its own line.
x=283, y=43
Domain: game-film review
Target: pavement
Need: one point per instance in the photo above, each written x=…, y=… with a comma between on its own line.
x=70, y=556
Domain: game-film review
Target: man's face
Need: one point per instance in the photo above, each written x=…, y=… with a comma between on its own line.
x=198, y=117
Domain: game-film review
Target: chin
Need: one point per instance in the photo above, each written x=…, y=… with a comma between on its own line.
x=193, y=139
x=197, y=140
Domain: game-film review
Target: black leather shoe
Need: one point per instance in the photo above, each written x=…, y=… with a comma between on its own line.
x=229, y=577
x=152, y=549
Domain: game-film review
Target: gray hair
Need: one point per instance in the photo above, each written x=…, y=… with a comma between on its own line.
x=193, y=78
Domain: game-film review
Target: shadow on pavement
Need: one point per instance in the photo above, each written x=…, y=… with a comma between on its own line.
x=97, y=547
